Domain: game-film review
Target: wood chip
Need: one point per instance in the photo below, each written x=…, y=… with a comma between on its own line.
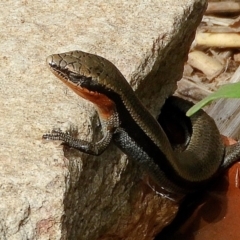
x=217, y=20
x=188, y=70
x=236, y=57
x=191, y=91
x=220, y=40
x=236, y=76
x=223, y=7
x=208, y=65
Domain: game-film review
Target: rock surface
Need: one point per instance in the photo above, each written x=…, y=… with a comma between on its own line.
x=50, y=194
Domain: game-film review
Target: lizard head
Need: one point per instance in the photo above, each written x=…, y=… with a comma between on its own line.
x=87, y=75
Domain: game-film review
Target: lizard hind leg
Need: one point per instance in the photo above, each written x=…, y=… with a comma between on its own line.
x=232, y=155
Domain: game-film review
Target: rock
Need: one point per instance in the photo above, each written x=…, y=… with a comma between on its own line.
x=50, y=194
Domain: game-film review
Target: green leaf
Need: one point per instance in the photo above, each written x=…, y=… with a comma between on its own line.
x=231, y=90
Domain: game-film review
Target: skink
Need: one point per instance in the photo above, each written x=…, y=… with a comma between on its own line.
x=127, y=123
